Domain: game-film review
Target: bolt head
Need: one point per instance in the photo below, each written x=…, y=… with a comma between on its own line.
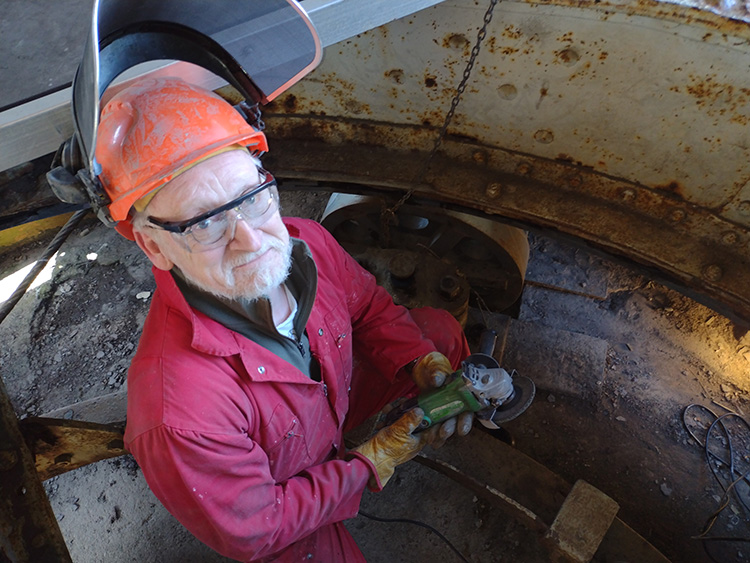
x=713, y=272
x=493, y=190
x=627, y=194
x=524, y=169
x=729, y=237
x=677, y=215
x=480, y=157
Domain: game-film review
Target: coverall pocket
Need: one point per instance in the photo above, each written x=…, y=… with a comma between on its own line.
x=286, y=445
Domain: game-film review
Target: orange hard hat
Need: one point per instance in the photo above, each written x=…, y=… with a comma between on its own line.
x=154, y=128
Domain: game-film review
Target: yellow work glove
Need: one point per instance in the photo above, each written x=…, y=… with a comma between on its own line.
x=430, y=372
x=393, y=445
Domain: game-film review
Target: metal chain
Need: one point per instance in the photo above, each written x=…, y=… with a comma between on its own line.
x=460, y=89
x=390, y=212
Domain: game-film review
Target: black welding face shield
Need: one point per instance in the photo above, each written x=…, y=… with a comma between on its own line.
x=259, y=47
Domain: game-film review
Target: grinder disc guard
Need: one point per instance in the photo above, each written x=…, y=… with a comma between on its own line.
x=524, y=391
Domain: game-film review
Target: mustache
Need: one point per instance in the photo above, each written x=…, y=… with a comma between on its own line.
x=245, y=257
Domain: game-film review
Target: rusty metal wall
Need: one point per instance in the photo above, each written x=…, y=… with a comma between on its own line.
x=622, y=124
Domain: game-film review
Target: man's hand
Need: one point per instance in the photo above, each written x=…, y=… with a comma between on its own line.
x=430, y=372
x=394, y=445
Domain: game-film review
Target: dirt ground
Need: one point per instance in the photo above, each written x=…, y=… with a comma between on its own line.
x=616, y=359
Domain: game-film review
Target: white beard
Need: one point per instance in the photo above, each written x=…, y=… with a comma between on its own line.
x=258, y=283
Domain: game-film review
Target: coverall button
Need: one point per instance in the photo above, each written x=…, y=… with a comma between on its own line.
x=320, y=331
x=261, y=370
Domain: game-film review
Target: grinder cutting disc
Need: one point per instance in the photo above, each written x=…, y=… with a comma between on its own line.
x=523, y=393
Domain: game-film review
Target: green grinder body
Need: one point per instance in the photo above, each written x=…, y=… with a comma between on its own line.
x=447, y=401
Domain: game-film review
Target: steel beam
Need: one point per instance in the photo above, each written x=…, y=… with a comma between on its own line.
x=60, y=445
x=688, y=247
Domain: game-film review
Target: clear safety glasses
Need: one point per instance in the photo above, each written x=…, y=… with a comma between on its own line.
x=216, y=227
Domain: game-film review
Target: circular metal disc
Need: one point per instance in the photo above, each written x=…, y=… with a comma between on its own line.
x=523, y=394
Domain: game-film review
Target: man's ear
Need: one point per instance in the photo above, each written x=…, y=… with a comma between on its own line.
x=152, y=249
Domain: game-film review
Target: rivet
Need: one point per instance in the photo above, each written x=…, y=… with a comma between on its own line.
x=713, y=272
x=493, y=190
x=480, y=157
x=744, y=208
x=677, y=215
x=261, y=370
x=320, y=331
x=507, y=91
x=627, y=194
x=729, y=237
x=544, y=136
x=458, y=41
x=569, y=57
x=575, y=181
x=524, y=169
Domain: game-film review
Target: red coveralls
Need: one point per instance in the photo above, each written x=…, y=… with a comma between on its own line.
x=242, y=448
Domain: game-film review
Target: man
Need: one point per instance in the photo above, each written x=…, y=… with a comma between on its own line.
x=264, y=343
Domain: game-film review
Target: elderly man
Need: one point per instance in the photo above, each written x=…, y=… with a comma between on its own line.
x=264, y=343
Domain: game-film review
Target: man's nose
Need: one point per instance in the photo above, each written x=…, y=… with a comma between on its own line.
x=244, y=236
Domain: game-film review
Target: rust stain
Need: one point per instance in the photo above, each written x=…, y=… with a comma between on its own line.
x=356, y=108
x=290, y=103
x=431, y=117
x=512, y=32
x=673, y=187
x=603, y=56
x=717, y=97
x=567, y=56
x=430, y=81
x=396, y=74
x=491, y=44
x=581, y=72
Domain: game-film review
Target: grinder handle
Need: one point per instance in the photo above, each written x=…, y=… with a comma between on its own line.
x=487, y=341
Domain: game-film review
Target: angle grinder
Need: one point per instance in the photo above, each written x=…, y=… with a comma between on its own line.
x=480, y=386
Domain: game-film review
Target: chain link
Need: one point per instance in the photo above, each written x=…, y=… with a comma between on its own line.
x=389, y=213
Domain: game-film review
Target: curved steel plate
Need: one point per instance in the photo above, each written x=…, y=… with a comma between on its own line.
x=622, y=124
